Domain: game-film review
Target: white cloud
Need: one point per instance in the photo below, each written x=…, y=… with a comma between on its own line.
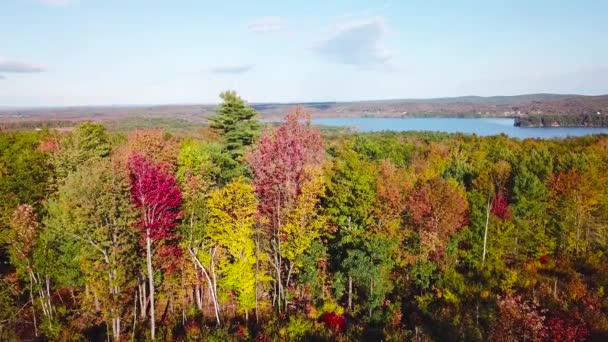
x=20, y=67
x=359, y=43
x=57, y=2
x=267, y=24
x=232, y=69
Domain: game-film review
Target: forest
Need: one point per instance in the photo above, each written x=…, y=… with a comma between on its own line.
x=248, y=231
x=556, y=120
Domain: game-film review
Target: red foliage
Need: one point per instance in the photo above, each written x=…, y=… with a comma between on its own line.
x=333, y=321
x=279, y=161
x=518, y=320
x=565, y=183
x=170, y=257
x=156, y=193
x=48, y=146
x=567, y=327
x=500, y=207
x=437, y=207
x=544, y=259
x=393, y=187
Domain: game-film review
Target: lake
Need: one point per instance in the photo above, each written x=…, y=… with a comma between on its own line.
x=479, y=126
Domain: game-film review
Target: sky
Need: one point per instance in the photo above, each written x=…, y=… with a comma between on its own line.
x=116, y=52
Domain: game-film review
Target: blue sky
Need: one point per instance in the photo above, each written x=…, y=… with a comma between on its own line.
x=102, y=52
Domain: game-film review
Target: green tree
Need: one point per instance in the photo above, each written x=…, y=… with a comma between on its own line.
x=92, y=210
x=350, y=202
x=237, y=124
x=24, y=173
x=231, y=224
x=88, y=141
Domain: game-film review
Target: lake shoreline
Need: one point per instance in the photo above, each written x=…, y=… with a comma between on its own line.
x=477, y=126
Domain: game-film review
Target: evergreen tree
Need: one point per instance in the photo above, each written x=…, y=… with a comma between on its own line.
x=237, y=124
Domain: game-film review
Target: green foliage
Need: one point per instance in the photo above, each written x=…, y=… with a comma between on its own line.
x=88, y=141
x=393, y=223
x=24, y=172
x=296, y=329
x=237, y=124
x=231, y=227
x=90, y=220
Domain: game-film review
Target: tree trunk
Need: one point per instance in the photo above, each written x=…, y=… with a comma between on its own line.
x=257, y=271
x=350, y=293
x=278, y=252
x=210, y=281
x=134, y=316
x=48, y=293
x=96, y=300
x=151, y=285
x=199, y=297
x=555, y=288
x=116, y=328
x=485, y=234
x=33, y=306
x=371, y=295
x=143, y=299
x=286, y=294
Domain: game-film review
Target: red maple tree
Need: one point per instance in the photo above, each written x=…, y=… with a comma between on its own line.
x=279, y=162
x=500, y=206
x=156, y=194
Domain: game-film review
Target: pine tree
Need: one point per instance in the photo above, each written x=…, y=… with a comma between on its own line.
x=237, y=124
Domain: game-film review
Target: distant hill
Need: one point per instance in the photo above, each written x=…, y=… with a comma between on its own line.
x=465, y=106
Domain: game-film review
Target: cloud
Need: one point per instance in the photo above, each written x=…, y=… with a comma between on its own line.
x=359, y=43
x=18, y=67
x=267, y=24
x=232, y=69
x=57, y=2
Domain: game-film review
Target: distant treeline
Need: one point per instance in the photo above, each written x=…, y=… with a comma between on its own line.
x=555, y=120
x=119, y=125
x=33, y=124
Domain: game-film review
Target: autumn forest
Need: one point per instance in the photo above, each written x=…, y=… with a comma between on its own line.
x=252, y=231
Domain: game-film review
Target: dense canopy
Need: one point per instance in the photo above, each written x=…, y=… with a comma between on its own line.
x=297, y=233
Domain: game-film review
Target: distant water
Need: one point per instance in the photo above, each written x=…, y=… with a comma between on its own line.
x=479, y=126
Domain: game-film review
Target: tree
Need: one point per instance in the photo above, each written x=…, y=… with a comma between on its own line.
x=438, y=207
x=393, y=187
x=156, y=145
x=518, y=319
x=350, y=202
x=573, y=199
x=282, y=163
x=530, y=194
x=156, y=194
x=88, y=141
x=24, y=173
x=489, y=195
x=92, y=210
x=199, y=172
x=232, y=211
x=237, y=124
x=22, y=237
x=304, y=225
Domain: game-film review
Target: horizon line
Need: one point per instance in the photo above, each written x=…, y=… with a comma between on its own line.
x=3, y=108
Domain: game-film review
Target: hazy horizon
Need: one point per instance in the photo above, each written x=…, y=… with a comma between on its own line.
x=288, y=103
